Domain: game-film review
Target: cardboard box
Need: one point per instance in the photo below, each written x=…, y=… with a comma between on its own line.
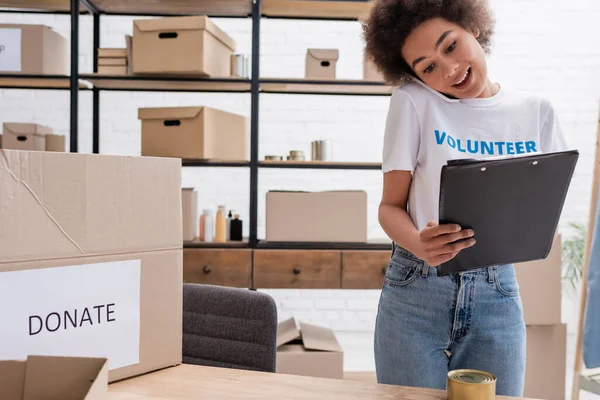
x=370, y=72
x=309, y=351
x=546, y=362
x=189, y=208
x=25, y=136
x=540, y=286
x=321, y=63
x=195, y=133
x=33, y=49
x=55, y=143
x=330, y=216
x=91, y=258
x=181, y=45
x=47, y=377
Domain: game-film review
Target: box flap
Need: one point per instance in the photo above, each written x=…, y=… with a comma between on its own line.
x=174, y=24
x=319, y=338
x=65, y=378
x=287, y=332
x=60, y=205
x=169, y=113
x=12, y=379
x=324, y=54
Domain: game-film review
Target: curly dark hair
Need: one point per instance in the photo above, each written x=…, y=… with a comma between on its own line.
x=389, y=22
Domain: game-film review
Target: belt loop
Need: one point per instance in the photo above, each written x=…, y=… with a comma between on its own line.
x=490, y=274
x=425, y=270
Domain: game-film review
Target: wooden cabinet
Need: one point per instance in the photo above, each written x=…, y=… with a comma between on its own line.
x=222, y=267
x=364, y=269
x=286, y=269
x=297, y=269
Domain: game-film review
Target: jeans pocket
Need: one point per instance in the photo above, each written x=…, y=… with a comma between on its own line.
x=505, y=280
x=402, y=270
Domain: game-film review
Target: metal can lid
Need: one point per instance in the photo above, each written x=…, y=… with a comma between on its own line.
x=471, y=376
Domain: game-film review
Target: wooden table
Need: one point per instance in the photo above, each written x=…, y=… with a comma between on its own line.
x=207, y=383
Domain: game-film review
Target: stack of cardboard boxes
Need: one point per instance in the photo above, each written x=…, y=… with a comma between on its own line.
x=115, y=61
x=30, y=136
x=540, y=285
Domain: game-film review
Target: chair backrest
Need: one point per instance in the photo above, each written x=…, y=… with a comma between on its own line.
x=229, y=327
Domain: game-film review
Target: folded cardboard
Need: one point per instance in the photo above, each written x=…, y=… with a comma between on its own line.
x=330, y=216
x=546, y=362
x=181, y=45
x=82, y=211
x=189, y=208
x=540, y=286
x=195, y=133
x=32, y=137
x=321, y=63
x=309, y=351
x=112, y=52
x=112, y=70
x=33, y=49
x=54, y=378
x=370, y=72
x=113, y=61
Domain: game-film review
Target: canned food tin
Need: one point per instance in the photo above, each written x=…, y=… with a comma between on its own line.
x=321, y=150
x=296, y=158
x=295, y=153
x=273, y=158
x=239, y=65
x=470, y=384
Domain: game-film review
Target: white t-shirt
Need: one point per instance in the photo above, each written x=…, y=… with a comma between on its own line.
x=424, y=129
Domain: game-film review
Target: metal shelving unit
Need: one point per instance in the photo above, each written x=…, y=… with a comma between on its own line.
x=341, y=10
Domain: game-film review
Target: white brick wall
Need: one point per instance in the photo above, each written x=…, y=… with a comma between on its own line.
x=547, y=46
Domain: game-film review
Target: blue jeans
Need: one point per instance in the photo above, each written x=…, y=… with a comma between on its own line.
x=428, y=325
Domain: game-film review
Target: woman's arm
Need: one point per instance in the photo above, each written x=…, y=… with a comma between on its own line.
x=435, y=244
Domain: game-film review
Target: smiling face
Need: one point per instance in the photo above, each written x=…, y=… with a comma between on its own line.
x=448, y=58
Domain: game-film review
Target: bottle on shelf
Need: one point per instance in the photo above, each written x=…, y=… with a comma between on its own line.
x=221, y=226
x=208, y=226
x=202, y=225
x=236, y=228
x=229, y=218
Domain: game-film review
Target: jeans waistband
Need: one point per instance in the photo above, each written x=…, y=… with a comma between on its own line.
x=491, y=270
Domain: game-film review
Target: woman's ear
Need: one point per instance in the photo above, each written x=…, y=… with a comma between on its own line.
x=475, y=32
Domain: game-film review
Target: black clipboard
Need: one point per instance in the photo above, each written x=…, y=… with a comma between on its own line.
x=513, y=205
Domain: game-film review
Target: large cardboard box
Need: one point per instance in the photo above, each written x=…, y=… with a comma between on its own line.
x=540, y=286
x=309, y=351
x=321, y=63
x=91, y=259
x=33, y=50
x=546, y=362
x=181, y=45
x=189, y=209
x=47, y=377
x=32, y=137
x=195, y=133
x=330, y=216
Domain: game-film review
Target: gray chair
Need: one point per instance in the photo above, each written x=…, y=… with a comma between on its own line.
x=229, y=327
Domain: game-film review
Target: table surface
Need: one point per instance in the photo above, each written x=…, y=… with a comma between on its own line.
x=198, y=382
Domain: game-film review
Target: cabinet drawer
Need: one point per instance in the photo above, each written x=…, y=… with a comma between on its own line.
x=315, y=269
x=364, y=269
x=222, y=267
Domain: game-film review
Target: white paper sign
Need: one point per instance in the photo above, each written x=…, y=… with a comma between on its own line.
x=10, y=50
x=88, y=310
